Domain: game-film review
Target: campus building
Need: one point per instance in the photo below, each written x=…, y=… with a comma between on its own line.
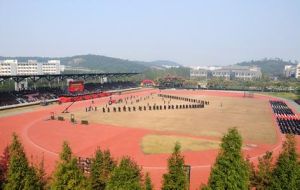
x=31, y=67
x=298, y=71
x=289, y=71
x=201, y=73
x=228, y=72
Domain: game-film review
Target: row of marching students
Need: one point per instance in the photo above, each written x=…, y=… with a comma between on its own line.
x=183, y=99
x=149, y=108
x=288, y=121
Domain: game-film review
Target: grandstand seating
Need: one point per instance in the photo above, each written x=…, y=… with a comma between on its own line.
x=47, y=93
x=7, y=98
x=94, y=87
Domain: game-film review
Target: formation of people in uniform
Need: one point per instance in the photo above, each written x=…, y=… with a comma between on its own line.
x=287, y=120
x=167, y=104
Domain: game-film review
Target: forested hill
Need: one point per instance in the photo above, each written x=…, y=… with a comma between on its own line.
x=99, y=63
x=272, y=67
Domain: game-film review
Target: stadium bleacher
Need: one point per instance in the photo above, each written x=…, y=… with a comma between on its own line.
x=48, y=93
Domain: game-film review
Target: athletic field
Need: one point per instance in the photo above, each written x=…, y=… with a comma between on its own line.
x=147, y=136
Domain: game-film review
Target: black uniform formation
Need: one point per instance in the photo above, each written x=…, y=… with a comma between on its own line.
x=286, y=118
x=289, y=126
x=151, y=107
x=280, y=108
x=183, y=99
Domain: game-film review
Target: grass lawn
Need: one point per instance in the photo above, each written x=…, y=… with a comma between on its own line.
x=286, y=95
x=156, y=144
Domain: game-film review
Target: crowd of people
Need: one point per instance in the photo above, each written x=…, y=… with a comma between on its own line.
x=288, y=121
x=28, y=96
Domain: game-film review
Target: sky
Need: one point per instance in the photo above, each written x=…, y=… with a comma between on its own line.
x=190, y=32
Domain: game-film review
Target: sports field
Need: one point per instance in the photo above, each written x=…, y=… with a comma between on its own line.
x=147, y=136
x=251, y=116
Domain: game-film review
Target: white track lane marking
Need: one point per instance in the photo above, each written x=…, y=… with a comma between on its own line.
x=27, y=138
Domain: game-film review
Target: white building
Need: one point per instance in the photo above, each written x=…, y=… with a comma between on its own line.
x=51, y=67
x=228, y=72
x=221, y=73
x=201, y=73
x=8, y=67
x=298, y=71
x=289, y=71
x=245, y=73
x=31, y=67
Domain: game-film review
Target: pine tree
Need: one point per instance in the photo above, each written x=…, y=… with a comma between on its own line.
x=148, y=183
x=4, y=159
x=230, y=170
x=176, y=178
x=101, y=169
x=126, y=176
x=262, y=177
x=41, y=174
x=32, y=181
x=20, y=175
x=286, y=174
x=68, y=175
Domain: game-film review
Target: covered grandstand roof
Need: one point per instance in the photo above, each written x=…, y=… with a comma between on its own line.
x=50, y=77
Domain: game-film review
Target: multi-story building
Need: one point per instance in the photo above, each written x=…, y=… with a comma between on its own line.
x=221, y=73
x=298, y=71
x=51, y=67
x=198, y=73
x=289, y=71
x=229, y=72
x=31, y=67
x=244, y=72
x=8, y=67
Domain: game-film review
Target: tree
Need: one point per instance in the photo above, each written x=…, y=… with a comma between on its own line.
x=41, y=174
x=4, y=159
x=148, y=183
x=32, y=180
x=262, y=177
x=286, y=174
x=126, y=176
x=68, y=175
x=20, y=175
x=230, y=170
x=176, y=178
x=101, y=169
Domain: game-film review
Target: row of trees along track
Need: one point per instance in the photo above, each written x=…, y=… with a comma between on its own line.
x=230, y=171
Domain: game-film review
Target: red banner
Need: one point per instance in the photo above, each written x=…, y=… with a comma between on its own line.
x=76, y=86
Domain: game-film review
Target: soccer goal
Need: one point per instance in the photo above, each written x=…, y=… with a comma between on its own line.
x=248, y=94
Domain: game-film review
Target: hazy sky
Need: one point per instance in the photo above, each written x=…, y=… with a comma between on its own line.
x=208, y=32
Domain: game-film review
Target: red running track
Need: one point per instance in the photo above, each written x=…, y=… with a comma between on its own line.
x=43, y=138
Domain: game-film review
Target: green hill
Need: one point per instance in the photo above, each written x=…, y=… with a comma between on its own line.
x=98, y=63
